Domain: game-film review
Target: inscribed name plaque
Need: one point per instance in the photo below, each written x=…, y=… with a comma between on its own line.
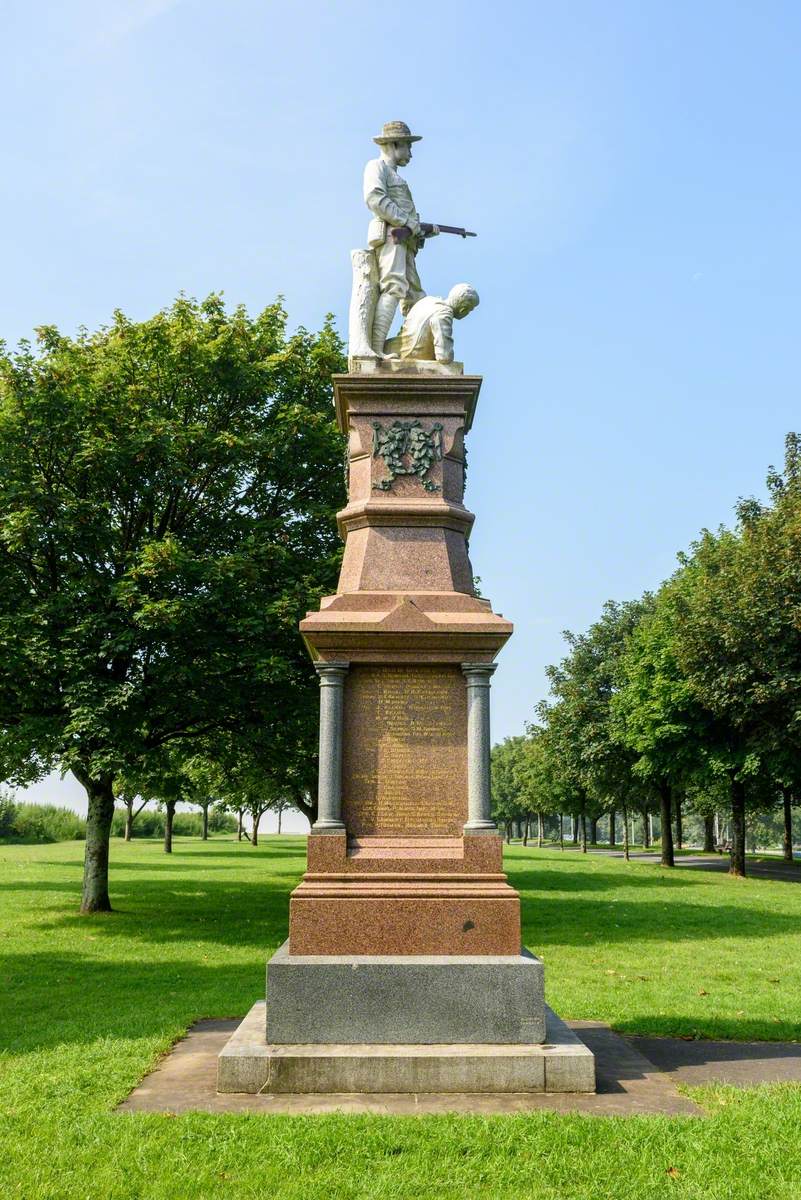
x=404, y=770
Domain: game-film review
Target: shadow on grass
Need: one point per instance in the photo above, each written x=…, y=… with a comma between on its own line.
x=66, y=999
x=696, y=1030
x=530, y=877
x=56, y=999
x=254, y=913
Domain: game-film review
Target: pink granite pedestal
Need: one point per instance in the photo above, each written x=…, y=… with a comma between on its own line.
x=404, y=862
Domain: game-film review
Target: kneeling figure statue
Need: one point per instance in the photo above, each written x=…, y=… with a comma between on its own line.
x=427, y=331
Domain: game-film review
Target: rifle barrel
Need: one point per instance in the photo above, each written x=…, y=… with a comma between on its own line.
x=457, y=229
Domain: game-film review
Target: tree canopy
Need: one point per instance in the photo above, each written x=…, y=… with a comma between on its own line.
x=696, y=688
x=167, y=500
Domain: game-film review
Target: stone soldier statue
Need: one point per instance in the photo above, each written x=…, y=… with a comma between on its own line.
x=385, y=274
x=387, y=195
x=427, y=332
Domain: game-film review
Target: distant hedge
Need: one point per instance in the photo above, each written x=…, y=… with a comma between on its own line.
x=49, y=823
x=39, y=823
x=150, y=823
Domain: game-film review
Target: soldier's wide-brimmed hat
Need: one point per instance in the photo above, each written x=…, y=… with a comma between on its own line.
x=396, y=131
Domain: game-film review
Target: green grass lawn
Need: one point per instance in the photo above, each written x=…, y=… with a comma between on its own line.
x=88, y=1004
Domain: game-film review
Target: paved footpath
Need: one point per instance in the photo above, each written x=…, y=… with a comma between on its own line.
x=635, y=1076
x=758, y=868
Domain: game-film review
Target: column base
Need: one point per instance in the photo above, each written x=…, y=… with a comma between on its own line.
x=249, y=1063
x=379, y=914
x=406, y=998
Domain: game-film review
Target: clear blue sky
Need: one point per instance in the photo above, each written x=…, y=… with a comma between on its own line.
x=633, y=172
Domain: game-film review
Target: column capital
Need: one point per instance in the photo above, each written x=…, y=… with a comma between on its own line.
x=332, y=673
x=478, y=674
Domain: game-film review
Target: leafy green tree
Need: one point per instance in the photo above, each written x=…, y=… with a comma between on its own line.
x=714, y=678
x=736, y=606
x=534, y=779
x=167, y=492
x=507, y=802
x=129, y=797
x=593, y=766
x=655, y=714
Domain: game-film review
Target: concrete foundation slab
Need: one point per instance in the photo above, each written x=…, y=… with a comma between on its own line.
x=249, y=1063
x=402, y=1000
x=185, y=1080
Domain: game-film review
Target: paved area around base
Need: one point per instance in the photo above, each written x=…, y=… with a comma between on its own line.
x=741, y=1064
x=628, y=1084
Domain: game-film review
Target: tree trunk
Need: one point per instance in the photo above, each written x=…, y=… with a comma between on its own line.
x=625, y=832
x=364, y=294
x=612, y=830
x=205, y=833
x=100, y=811
x=280, y=814
x=508, y=825
x=787, y=840
x=575, y=821
x=540, y=829
x=737, y=865
x=561, y=831
x=257, y=816
x=677, y=798
x=239, y=815
x=646, y=830
x=667, y=859
x=709, y=833
x=593, y=831
x=583, y=833
x=128, y=819
x=526, y=828
x=170, y=813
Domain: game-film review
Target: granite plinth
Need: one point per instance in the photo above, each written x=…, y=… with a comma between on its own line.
x=401, y=914
x=250, y=1064
x=405, y=999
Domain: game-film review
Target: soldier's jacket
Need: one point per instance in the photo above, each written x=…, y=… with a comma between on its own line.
x=387, y=195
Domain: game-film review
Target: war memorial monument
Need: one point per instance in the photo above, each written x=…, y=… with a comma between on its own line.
x=403, y=971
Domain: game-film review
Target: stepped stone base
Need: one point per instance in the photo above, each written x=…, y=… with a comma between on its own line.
x=250, y=1064
x=404, y=999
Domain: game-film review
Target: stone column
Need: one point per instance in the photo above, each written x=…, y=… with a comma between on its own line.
x=477, y=677
x=329, y=794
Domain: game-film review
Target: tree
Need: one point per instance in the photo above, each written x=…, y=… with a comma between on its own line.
x=279, y=807
x=167, y=492
x=129, y=797
x=655, y=715
x=507, y=804
x=737, y=602
x=593, y=767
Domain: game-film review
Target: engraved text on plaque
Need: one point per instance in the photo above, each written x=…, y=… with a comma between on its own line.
x=405, y=761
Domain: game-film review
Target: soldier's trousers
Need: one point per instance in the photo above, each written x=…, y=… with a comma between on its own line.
x=397, y=273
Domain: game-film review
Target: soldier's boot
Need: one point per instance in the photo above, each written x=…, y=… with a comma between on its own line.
x=385, y=308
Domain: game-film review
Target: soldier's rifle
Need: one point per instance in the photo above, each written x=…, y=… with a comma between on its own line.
x=402, y=233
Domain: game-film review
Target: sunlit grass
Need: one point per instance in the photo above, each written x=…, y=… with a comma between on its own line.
x=88, y=1004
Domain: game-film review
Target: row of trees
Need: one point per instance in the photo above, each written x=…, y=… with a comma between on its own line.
x=203, y=784
x=167, y=500
x=687, y=697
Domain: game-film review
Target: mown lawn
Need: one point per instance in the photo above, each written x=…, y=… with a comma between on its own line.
x=88, y=1004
